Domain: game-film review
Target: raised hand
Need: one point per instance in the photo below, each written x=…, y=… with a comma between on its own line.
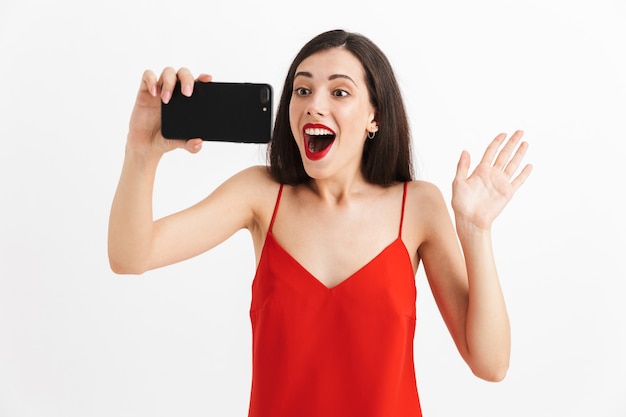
x=479, y=198
x=144, y=133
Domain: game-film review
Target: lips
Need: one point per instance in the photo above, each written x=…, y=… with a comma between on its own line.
x=318, y=140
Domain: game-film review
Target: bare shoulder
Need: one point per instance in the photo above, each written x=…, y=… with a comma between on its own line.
x=422, y=193
x=254, y=184
x=425, y=212
x=255, y=176
x=256, y=188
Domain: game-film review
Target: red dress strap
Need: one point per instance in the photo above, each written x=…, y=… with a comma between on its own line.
x=280, y=192
x=403, y=204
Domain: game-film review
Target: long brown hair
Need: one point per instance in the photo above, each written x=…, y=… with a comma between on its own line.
x=386, y=158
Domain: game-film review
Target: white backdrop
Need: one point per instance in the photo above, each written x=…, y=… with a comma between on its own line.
x=77, y=340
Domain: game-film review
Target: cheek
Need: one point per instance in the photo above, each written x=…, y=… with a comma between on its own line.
x=294, y=120
x=351, y=119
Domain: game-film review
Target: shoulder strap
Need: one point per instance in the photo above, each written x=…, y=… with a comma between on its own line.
x=403, y=204
x=280, y=192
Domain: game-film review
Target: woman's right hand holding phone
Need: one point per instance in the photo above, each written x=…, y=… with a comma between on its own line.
x=131, y=225
x=144, y=134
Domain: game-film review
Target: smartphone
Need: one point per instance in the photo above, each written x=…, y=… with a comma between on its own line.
x=219, y=111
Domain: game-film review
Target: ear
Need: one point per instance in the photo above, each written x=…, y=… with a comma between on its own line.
x=373, y=126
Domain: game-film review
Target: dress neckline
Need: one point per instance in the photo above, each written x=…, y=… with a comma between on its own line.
x=352, y=277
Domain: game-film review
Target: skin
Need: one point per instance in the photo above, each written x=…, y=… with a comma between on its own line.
x=327, y=224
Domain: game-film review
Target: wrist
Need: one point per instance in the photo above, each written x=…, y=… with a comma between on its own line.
x=143, y=150
x=474, y=220
x=142, y=157
x=468, y=227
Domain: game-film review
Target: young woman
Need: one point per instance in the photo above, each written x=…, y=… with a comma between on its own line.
x=339, y=228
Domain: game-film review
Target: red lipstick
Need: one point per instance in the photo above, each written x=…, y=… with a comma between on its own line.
x=318, y=140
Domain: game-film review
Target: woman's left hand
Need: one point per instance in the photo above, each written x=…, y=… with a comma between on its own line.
x=480, y=197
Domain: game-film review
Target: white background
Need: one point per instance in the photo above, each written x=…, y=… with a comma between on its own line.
x=77, y=340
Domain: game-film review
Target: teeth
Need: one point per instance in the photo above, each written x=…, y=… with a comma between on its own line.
x=317, y=131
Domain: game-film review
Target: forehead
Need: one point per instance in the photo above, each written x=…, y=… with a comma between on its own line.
x=326, y=63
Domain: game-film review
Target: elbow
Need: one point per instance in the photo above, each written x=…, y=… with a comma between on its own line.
x=120, y=267
x=125, y=270
x=489, y=362
x=491, y=373
x=122, y=262
x=492, y=376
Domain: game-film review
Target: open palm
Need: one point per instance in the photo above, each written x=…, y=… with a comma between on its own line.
x=480, y=197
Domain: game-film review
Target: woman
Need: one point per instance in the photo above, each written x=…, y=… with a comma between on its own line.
x=339, y=228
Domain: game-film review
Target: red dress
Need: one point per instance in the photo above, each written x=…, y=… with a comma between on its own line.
x=345, y=351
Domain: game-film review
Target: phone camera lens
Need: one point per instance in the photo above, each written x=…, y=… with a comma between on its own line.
x=265, y=95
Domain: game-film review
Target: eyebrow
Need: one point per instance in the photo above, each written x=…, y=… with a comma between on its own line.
x=332, y=77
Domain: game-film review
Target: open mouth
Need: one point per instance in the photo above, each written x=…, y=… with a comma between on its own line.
x=317, y=141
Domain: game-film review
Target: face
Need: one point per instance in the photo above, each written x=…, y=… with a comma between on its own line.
x=330, y=113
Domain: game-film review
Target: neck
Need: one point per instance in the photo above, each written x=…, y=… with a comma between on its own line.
x=336, y=190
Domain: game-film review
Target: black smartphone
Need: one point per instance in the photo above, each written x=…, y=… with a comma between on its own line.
x=219, y=111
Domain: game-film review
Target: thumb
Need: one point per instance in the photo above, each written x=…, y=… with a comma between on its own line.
x=193, y=145
x=190, y=145
x=462, y=167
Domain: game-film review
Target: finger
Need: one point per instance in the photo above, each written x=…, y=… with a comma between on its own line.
x=491, y=150
x=515, y=162
x=149, y=82
x=167, y=82
x=205, y=78
x=462, y=167
x=507, y=150
x=190, y=145
x=193, y=145
x=523, y=175
x=186, y=81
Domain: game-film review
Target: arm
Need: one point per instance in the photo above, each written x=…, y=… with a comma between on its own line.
x=137, y=243
x=467, y=288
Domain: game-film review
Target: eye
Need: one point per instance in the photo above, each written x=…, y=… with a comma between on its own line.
x=301, y=91
x=340, y=93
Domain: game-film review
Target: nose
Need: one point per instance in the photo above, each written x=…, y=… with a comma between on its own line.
x=316, y=105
